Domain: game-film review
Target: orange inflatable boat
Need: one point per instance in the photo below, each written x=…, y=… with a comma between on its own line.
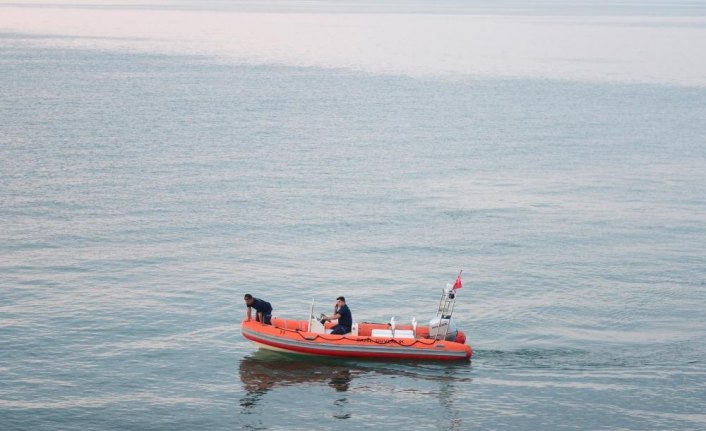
x=440, y=340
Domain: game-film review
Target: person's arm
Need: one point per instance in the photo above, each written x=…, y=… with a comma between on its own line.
x=334, y=317
x=261, y=317
x=335, y=314
x=248, y=314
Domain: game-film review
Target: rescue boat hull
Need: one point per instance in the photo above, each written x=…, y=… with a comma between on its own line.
x=292, y=336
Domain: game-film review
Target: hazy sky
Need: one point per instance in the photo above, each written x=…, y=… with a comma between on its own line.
x=662, y=43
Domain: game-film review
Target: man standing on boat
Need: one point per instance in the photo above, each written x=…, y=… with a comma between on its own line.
x=342, y=313
x=263, y=309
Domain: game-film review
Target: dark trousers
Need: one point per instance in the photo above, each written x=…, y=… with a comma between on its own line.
x=340, y=329
x=266, y=317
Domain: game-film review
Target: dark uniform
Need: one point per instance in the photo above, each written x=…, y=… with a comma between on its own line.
x=263, y=307
x=345, y=322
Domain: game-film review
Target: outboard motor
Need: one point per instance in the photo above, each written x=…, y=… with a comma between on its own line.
x=443, y=328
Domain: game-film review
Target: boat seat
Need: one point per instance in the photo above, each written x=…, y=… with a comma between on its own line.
x=400, y=333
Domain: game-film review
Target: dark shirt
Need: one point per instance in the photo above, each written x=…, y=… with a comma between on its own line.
x=346, y=318
x=261, y=306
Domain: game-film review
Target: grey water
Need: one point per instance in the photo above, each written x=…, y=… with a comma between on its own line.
x=142, y=194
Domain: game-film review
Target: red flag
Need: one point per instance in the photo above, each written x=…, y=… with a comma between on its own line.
x=458, y=284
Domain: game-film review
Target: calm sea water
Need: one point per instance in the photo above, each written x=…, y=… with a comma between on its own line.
x=142, y=194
